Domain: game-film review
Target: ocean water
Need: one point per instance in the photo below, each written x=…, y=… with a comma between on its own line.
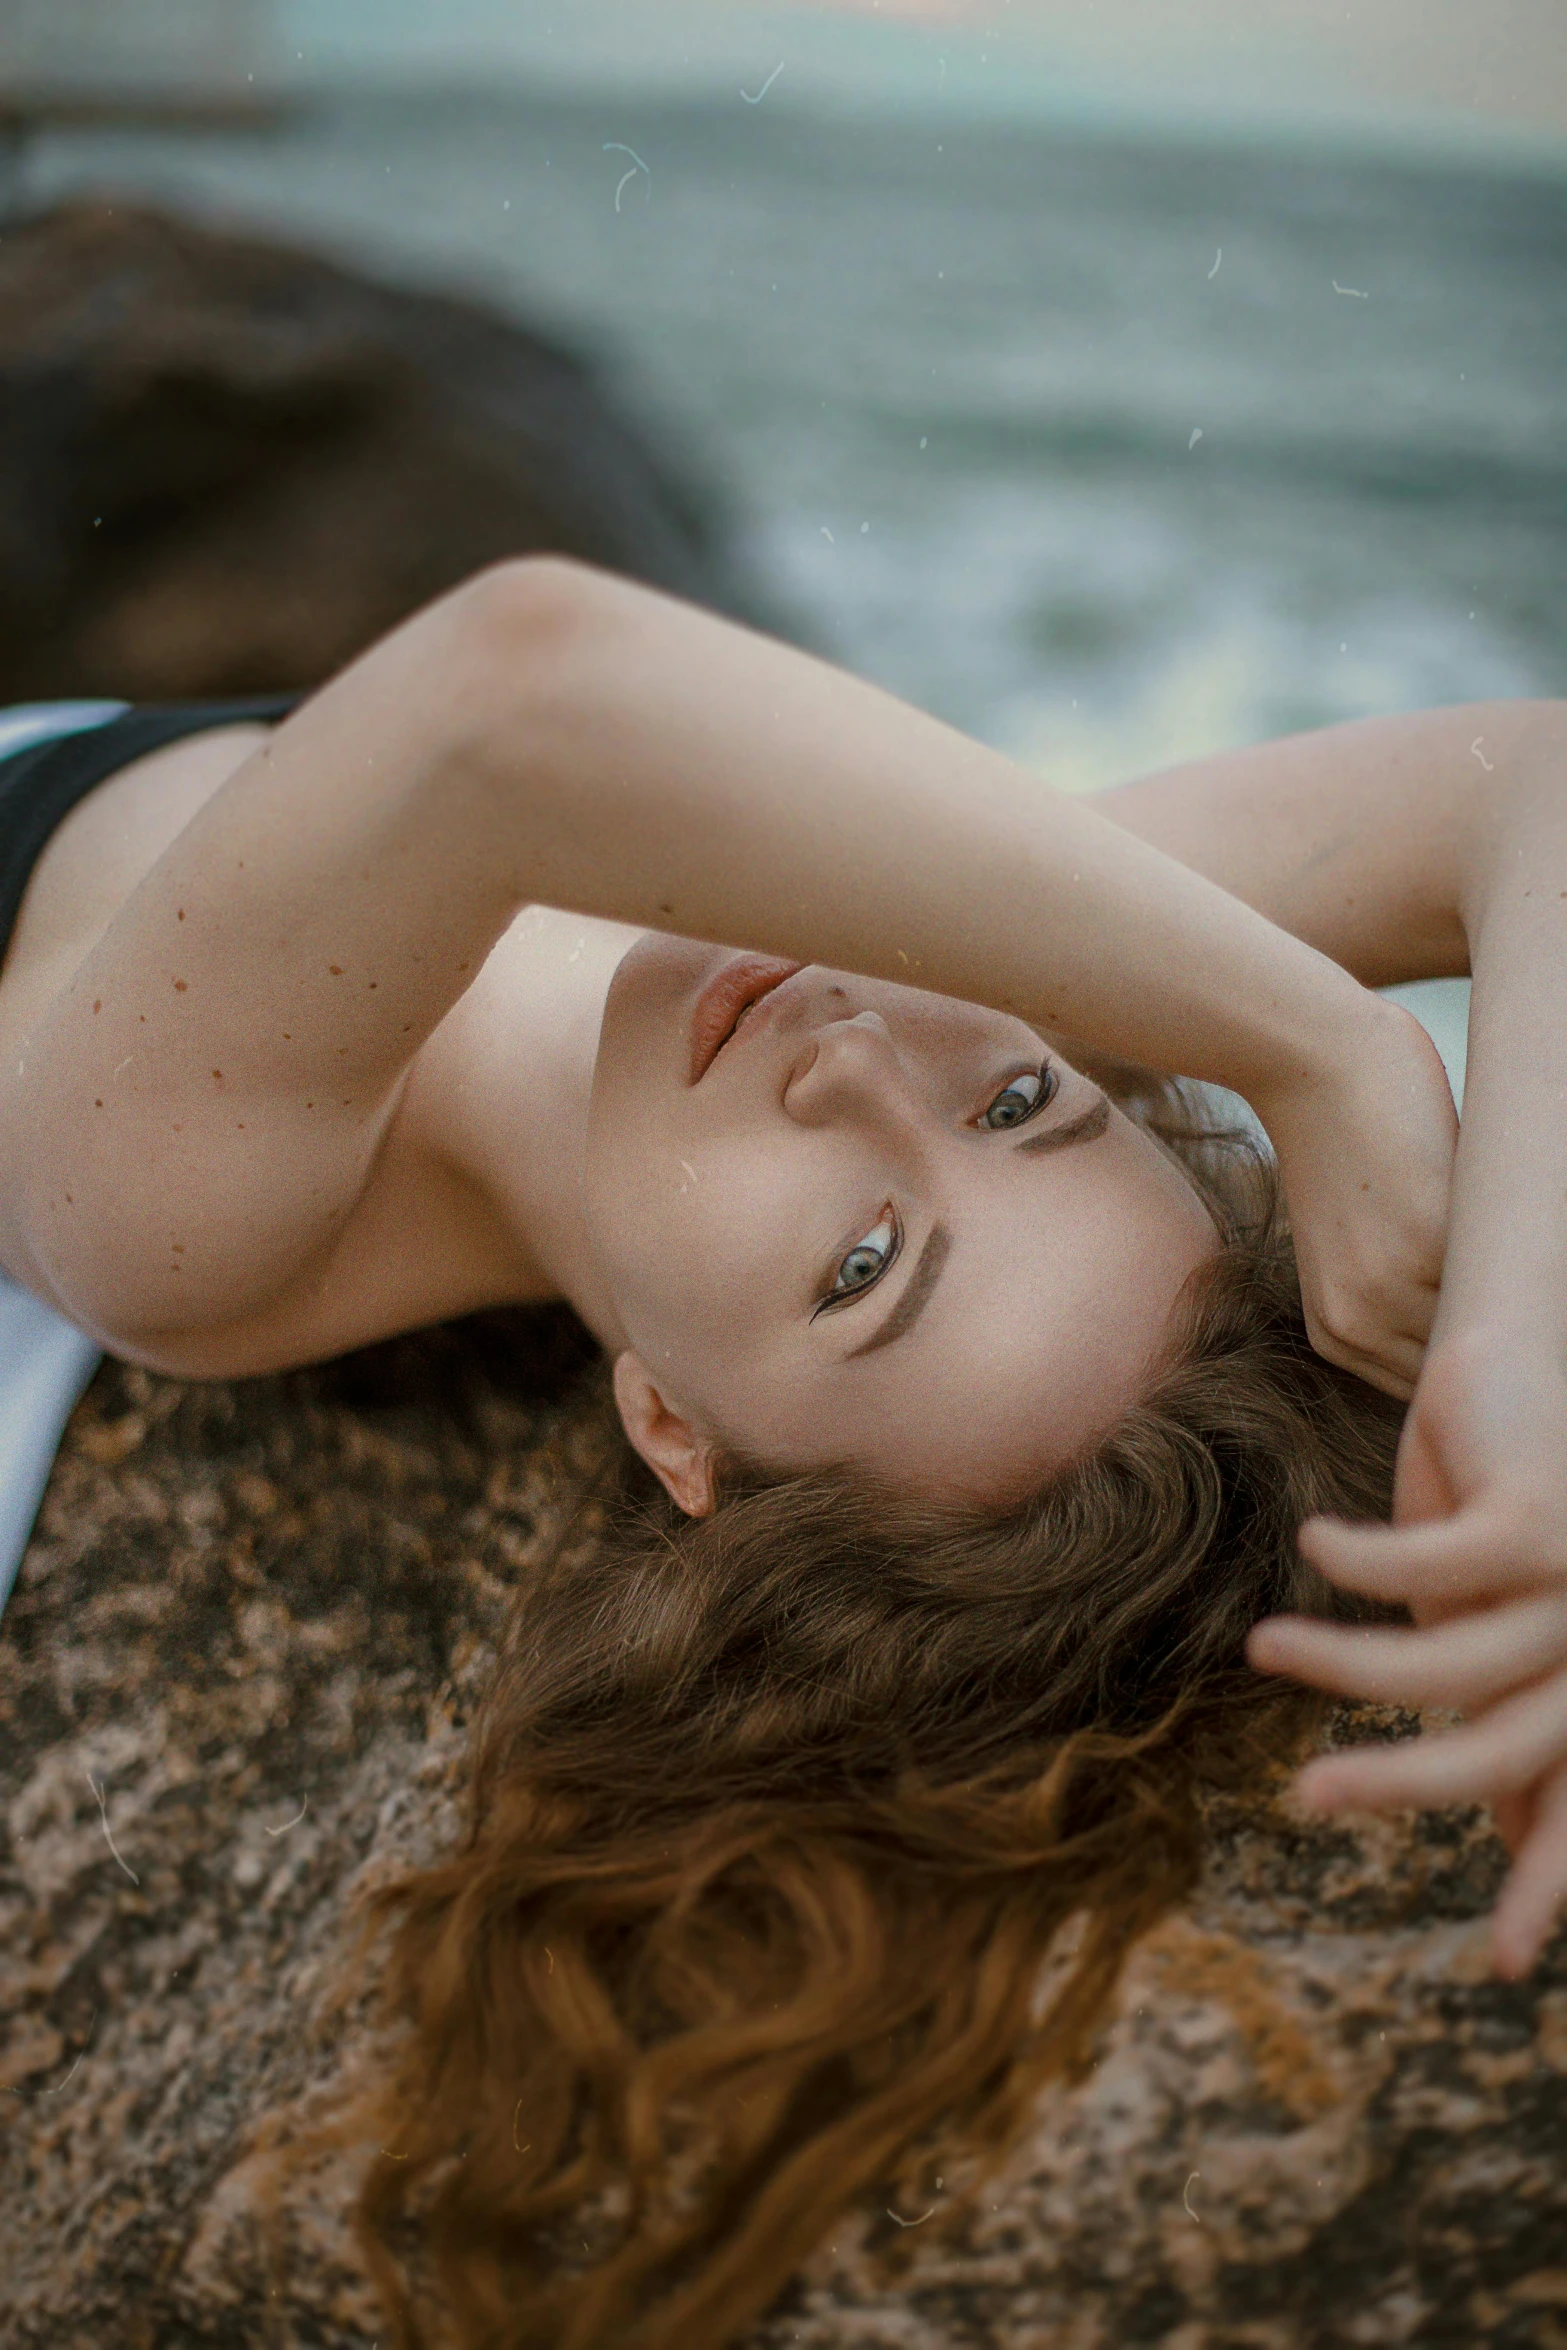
x=1107, y=447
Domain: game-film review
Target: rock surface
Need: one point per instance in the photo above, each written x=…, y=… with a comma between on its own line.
x=226, y=466
x=236, y=1674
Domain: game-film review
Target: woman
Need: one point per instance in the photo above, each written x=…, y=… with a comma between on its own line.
x=987, y=1408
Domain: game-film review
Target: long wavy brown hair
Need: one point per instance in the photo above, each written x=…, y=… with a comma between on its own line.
x=805, y=1843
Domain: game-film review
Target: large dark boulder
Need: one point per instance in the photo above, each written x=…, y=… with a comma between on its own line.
x=225, y=466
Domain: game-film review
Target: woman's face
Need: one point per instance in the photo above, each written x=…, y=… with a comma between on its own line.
x=871, y=1224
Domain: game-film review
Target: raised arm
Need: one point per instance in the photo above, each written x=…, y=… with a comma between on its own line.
x=1412, y=848
x=229, y=1057
x=664, y=768
x=1371, y=840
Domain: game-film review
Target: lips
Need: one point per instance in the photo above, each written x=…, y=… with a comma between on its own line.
x=732, y=990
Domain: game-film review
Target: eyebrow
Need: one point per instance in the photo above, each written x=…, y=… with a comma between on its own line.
x=1087, y=1126
x=916, y=1296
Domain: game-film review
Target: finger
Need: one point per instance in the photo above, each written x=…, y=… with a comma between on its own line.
x=1514, y=1816
x=1423, y=1486
x=1459, y=1558
x=1467, y=1662
x=1535, y=1891
x=1514, y=1742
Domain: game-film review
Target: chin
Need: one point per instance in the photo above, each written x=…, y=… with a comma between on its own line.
x=660, y=965
x=640, y=1065
x=653, y=984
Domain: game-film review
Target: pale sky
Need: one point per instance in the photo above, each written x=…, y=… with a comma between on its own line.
x=1478, y=71
x=1503, y=60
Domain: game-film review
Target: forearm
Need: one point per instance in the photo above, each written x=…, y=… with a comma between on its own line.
x=1364, y=839
x=1478, y=1547
x=1507, y=1252
x=680, y=773
x=551, y=734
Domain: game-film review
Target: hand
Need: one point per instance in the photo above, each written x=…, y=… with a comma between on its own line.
x=1365, y=1144
x=1478, y=1552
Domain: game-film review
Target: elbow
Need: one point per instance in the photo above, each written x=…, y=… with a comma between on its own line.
x=1538, y=743
x=532, y=656
x=534, y=608
x=1533, y=769
x=1553, y=728
x=1523, y=752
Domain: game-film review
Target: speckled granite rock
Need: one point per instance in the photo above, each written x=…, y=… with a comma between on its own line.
x=244, y=1647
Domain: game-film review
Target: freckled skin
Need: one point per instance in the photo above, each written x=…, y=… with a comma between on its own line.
x=579, y=1121
x=549, y=734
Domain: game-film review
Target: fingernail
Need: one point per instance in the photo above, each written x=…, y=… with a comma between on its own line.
x=1514, y=1954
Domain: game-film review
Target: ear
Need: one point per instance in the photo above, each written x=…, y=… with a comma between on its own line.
x=668, y=1443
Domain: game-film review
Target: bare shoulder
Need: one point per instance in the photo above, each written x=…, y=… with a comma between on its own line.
x=419, y=1238
x=471, y=1199
x=96, y=856
x=422, y=1242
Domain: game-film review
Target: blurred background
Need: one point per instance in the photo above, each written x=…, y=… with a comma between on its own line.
x=1116, y=380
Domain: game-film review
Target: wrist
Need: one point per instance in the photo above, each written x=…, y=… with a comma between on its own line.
x=1332, y=1040
x=1504, y=1302
x=1506, y=1270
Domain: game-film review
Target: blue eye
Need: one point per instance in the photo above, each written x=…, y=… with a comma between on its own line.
x=866, y=1262
x=1018, y=1101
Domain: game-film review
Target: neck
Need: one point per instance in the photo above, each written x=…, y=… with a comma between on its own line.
x=515, y=1076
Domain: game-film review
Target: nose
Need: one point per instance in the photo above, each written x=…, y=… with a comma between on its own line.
x=848, y=1068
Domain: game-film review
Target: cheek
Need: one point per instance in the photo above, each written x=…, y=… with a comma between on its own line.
x=647, y=1220
x=686, y=1247
x=1121, y=1326
x=1079, y=1353
x=1138, y=1242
